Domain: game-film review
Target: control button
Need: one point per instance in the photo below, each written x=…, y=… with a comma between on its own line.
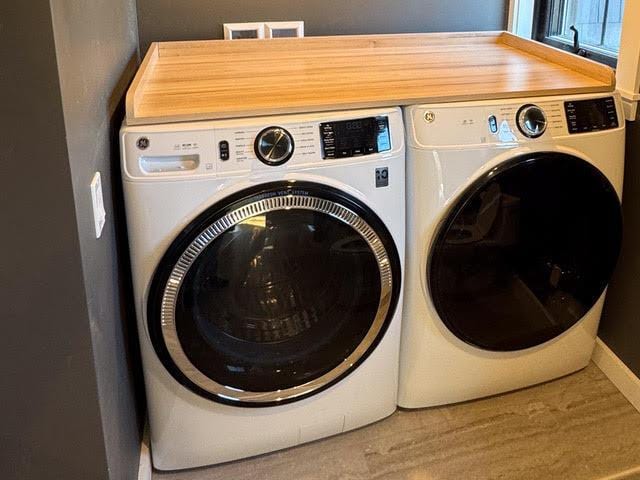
x=384, y=142
x=344, y=152
x=224, y=150
x=370, y=149
x=329, y=152
x=493, y=124
x=358, y=151
x=274, y=146
x=531, y=120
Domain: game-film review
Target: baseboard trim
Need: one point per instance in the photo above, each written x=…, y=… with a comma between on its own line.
x=617, y=372
x=144, y=467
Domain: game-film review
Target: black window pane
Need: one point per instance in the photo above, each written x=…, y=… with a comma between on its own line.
x=525, y=252
x=598, y=22
x=278, y=300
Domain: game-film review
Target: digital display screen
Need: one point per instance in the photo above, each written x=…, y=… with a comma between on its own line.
x=591, y=115
x=356, y=133
x=350, y=138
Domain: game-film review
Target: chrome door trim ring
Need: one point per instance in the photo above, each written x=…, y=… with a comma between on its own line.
x=265, y=205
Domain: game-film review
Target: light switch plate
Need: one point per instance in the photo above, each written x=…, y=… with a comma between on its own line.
x=99, y=213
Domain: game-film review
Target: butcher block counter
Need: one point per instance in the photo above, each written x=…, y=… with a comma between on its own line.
x=205, y=80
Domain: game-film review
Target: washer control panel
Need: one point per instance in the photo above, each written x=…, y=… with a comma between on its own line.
x=350, y=138
x=261, y=144
x=593, y=115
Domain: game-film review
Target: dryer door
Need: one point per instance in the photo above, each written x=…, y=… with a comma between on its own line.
x=525, y=251
x=274, y=294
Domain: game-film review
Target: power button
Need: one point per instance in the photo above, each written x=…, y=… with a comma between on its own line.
x=224, y=150
x=493, y=124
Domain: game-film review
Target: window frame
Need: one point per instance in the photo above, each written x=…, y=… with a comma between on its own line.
x=522, y=14
x=540, y=32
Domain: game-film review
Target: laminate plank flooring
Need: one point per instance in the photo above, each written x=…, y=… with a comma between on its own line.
x=578, y=427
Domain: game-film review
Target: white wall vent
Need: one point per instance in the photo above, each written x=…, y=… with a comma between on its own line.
x=233, y=31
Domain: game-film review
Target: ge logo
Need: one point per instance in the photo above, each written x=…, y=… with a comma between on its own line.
x=142, y=143
x=429, y=116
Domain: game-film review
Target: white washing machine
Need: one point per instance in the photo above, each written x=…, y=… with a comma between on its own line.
x=267, y=260
x=513, y=230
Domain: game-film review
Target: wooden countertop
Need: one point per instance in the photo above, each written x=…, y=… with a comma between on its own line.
x=198, y=80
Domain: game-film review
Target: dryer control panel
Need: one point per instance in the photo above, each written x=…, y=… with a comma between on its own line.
x=591, y=115
x=513, y=121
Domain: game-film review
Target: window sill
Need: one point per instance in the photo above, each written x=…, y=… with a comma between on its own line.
x=595, y=54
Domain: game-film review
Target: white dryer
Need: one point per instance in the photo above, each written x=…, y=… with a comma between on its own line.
x=513, y=230
x=267, y=260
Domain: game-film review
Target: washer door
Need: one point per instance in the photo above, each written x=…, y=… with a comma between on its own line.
x=274, y=294
x=526, y=252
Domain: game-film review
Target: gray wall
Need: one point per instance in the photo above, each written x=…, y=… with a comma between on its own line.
x=70, y=392
x=97, y=51
x=70, y=371
x=620, y=327
x=51, y=426
x=203, y=19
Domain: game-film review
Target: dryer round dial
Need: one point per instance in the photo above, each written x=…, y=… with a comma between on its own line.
x=532, y=121
x=274, y=146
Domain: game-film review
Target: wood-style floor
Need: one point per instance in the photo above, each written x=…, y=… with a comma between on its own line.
x=579, y=427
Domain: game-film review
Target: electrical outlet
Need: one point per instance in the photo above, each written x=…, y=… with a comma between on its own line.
x=99, y=213
x=233, y=31
x=284, y=29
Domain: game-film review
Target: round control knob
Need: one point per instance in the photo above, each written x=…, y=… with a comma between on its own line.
x=532, y=121
x=274, y=146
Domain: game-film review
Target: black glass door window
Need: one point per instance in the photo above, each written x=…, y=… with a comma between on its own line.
x=291, y=294
x=525, y=252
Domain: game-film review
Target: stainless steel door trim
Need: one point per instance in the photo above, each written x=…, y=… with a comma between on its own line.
x=186, y=260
